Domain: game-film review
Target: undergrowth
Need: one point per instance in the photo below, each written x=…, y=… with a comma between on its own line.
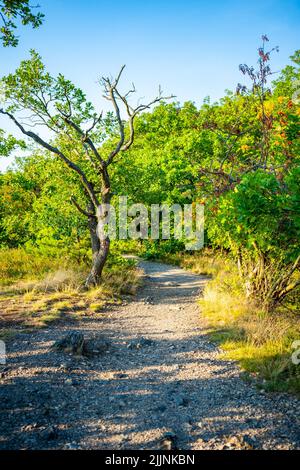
x=37, y=289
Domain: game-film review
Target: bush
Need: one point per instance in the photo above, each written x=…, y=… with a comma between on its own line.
x=161, y=249
x=260, y=223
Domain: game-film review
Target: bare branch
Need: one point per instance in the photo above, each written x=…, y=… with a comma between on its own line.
x=113, y=94
x=84, y=212
x=84, y=136
x=57, y=152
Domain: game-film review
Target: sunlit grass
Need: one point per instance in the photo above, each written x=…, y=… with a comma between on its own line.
x=261, y=342
x=97, y=306
x=57, y=295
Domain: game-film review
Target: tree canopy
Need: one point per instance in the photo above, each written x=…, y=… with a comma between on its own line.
x=239, y=156
x=13, y=11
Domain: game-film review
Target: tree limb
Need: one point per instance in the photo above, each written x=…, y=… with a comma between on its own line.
x=57, y=152
x=84, y=212
x=112, y=94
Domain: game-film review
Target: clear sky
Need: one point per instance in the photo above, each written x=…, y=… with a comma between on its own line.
x=192, y=48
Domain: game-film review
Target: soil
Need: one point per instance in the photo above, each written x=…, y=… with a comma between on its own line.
x=159, y=379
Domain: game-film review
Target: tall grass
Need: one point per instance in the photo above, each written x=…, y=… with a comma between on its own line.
x=17, y=263
x=260, y=341
x=37, y=289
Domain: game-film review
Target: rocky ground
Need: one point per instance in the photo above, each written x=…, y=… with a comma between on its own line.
x=157, y=383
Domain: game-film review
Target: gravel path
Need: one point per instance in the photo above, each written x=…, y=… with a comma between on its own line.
x=130, y=396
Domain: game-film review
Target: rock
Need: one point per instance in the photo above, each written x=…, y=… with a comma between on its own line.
x=120, y=376
x=250, y=442
x=168, y=441
x=95, y=346
x=139, y=343
x=180, y=400
x=63, y=366
x=71, y=343
x=71, y=446
x=239, y=442
x=161, y=408
x=76, y=344
x=50, y=434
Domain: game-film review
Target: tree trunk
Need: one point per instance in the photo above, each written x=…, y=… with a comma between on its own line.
x=100, y=244
x=99, y=260
x=95, y=242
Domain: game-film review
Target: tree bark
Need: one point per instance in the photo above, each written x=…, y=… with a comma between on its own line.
x=92, y=224
x=100, y=243
x=99, y=260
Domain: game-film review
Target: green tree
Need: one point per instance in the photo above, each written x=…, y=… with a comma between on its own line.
x=78, y=132
x=36, y=210
x=288, y=83
x=259, y=222
x=10, y=12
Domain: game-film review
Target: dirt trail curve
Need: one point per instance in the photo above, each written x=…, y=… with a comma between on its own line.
x=129, y=397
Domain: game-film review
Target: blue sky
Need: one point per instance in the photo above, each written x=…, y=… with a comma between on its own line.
x=191, y=48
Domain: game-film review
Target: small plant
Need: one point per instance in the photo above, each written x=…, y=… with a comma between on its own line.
x=97, y=306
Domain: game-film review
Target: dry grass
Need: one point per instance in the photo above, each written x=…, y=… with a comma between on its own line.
x=208, y=262
x=19, y=265
x=261, y=342
x=56, y=295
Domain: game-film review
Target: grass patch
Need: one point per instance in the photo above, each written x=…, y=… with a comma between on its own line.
x=97, y=306
x=19, y=264
x=261, y=342
x=48, y=317
x=57, y=295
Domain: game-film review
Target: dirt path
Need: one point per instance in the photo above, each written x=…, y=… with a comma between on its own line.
x=129, y=397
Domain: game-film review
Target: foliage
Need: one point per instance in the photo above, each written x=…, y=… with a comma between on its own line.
x=239, y=156
x=161, y=249
x=8, y=144
x=260, y=223
x=77, y=132
x=12, y=11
